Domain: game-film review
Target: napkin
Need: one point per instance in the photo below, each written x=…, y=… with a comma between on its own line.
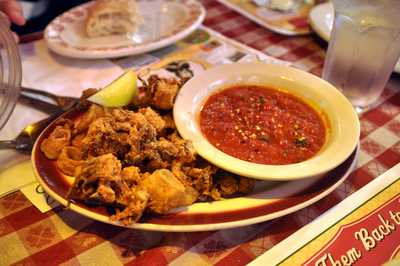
x=44, y=70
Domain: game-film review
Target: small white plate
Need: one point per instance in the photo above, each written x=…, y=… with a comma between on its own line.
x=164, y=23
x=321, y=20
x=343, y=130
x=292, y=23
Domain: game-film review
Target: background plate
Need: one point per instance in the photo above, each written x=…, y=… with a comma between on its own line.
x=164, y=23
x=286, y=23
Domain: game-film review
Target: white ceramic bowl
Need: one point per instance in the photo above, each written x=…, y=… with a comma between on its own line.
x=343, y=129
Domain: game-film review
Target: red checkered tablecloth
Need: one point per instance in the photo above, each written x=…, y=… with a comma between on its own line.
x=29, y=237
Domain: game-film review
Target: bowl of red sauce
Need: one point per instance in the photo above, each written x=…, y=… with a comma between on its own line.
x=267, y=121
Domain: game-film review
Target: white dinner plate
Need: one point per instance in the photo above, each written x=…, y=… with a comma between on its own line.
x=163, y=23
x=321, y=20
x=269, y=200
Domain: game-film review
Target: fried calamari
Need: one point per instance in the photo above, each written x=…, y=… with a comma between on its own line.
x=134, y=161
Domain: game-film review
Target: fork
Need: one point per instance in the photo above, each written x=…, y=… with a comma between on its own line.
x=26, y=138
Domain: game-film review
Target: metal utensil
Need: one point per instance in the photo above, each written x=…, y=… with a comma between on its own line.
x=45, y=101
x=27, y=137
x=38, y=104
x=48, y=99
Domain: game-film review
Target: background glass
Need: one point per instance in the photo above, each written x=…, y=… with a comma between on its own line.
x=10, y=71
x=364, y=48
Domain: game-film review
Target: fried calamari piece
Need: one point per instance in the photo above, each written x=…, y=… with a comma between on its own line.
x=137, y=139
x=246, y=185
x=166, y=150
x=120, y=115
x=159, y=92
x=132, y=212
x=186, y=153
x=169, y=122
x=104, y=194
x=201, y=179
x=153, y=118
x=100, y=180
x=83, y=102
x=176, y=169
x=227, y=185
x=144, y=144
x=165, y=92
x=158, y=154
x=131, y=175
x=59, y=138
x=92, y=173
x=102, y=138
x=167, y=192
x=69, y=159
x=82, y=124
x=143, y=128
x=211, y=182
x=155, y=163
x=125, y=120
x=77, y=141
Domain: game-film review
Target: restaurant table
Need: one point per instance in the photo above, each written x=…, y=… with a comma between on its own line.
x=29, y=237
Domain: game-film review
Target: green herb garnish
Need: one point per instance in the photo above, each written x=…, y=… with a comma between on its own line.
x=301, y=141
x=265, y=138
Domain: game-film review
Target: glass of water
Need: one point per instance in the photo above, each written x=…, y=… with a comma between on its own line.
x=10, y=71
x=364, y=48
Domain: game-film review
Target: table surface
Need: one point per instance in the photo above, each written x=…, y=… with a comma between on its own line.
x=60, y=236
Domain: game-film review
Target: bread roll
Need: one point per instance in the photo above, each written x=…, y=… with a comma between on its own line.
x=108, y=17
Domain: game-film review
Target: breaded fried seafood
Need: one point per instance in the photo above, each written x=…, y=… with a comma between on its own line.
x=132, y=159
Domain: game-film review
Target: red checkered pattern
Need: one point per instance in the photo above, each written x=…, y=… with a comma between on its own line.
x=28, y=237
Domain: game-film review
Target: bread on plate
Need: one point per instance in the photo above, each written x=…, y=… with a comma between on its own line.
x=109, y=17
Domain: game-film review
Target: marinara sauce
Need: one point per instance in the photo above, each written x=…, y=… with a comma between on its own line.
x=262, y=125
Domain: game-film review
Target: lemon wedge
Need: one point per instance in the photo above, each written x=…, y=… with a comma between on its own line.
x=118, y=93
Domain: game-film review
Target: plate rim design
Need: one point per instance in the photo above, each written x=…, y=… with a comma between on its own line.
x=52, y=34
